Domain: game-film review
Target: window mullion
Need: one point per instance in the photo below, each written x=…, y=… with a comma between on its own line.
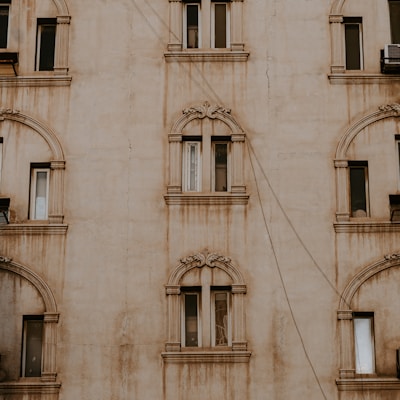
x=206, y=316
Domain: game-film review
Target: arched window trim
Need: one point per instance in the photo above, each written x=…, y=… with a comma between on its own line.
x=173, y=351
x=47, y=382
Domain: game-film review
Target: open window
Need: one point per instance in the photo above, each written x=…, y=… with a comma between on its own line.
x=45, y=44
x=39, y=201
x=358, y=178
x=191, y=26
x=353, y=42
x=4, y=18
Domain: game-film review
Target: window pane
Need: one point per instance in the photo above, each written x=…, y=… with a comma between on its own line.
x=221, y=319
x=41, y=195
x=192, y=23
x=33, y=347
x=220, y=25
x=221, y=167
x=352, y=38
x=191, y=320
x=394, y=9
x=358, y=196
x=191, y=167
x=4, y=11
x=364, y=348
x=46, y=46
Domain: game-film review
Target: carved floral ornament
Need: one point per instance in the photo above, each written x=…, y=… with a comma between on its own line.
x=206, y=110
x=200, y=260
x=5, y=260
x=394, y=107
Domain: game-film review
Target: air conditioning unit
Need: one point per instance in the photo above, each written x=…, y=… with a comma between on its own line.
x=392, y=54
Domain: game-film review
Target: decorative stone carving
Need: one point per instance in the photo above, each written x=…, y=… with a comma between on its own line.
x=5, y=260
x=206, y=110
x=394, y=256
x=205, y=258
x=391, y=107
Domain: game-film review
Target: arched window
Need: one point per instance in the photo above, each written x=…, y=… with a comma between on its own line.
x=206, y=316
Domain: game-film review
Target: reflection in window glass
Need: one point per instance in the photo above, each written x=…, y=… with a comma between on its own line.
x=221, y=319
x=33, y=336
x=221, y=167
x=191, y=320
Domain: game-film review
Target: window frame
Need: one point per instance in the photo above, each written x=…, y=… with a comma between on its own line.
x=393, y=21
x=227, y=24
x=187, y=165
x=354, y=21
x=35, y=169
x=185, y=28
x=214, y=292
x=41, y=23
x=214, y=165
x=364, y=316
x=27, y=319
x=359, y=165
x=4, y=35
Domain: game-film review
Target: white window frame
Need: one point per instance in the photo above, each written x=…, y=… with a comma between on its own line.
x=228, y=24
x=197, y=293
x=187, y=184
x=185, y=43
x=33, y=199
x=364, y=340
x=24, y=344
x=213, y=316
x=361, y=44
x=228, y=166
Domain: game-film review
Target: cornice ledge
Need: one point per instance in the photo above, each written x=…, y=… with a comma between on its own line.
x=206, y=357
x=366, y=227
x=189, y=56
x=29, y=387
x=361, y=78
x=375, y=383
x=206, y=199
x=33, y=229
x=35, y=81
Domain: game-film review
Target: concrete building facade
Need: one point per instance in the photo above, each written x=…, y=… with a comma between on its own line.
x=199, y=199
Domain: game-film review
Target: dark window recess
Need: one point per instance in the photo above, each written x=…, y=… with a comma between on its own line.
x=394, y=10
x=4, y=15
x=220, y=26
x=192, y=21
x=46, y=41
x=352, y=32
x=394, y=200
x=33, y=340
x=358, y=188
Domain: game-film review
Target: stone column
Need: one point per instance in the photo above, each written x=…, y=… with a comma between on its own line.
x=237, y=25
x=56, y=214
x=175, y=163
x=62, y=44
x=239, y=342
x=173, y=323
x=342, y=193
x=49, y=372
x=345, y=320
x=237, y=177
x=175, y=25
x=337, y=39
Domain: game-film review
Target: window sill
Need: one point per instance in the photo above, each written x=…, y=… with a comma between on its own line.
x=206, y=199
x=362, y=78
x=206, y=357
x=368, y=384
x=206, y=55
x=29, y=387
x=33, y=229
x=366, y=226
x=35, y=81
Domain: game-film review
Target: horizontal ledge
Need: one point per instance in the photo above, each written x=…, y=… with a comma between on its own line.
x=366, y=227
x=349, y=78
x=33, y=229
x=29, y=387
x=185, y=56
x=368, y=384
x=207, y=357
x=206, y=199
x=40, y=81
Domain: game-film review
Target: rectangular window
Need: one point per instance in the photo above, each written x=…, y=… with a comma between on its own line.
x=39, y=192
x=220, y=168
x=1, y=158
x=353, y=42
x=220, y=25
x=4, y=16
x=191, y=166
x=394, y=10
x=191, y=321
x=45, y=44
x=364, y=343
x=220, y=303
x=191, y=26
x=32, y=346
x=359, y=188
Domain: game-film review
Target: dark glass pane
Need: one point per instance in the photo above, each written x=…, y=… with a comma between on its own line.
x=4, y=10
x=221, y=319
x=33, y=356
x=191, y=324
x=357, y=191
x=221, y=167
x=352, y=38
x=47, y=47
x=394, y=9
x=220, y=25
x=192, y=22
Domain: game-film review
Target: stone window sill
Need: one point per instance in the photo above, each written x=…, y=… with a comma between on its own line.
x=35, y=80
x=206, y=357
x=366, y=226
x=375, y=383
x=206, y=55
x=33, y=229
x=207, y=199
x=29, y=387
x=361, y=78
